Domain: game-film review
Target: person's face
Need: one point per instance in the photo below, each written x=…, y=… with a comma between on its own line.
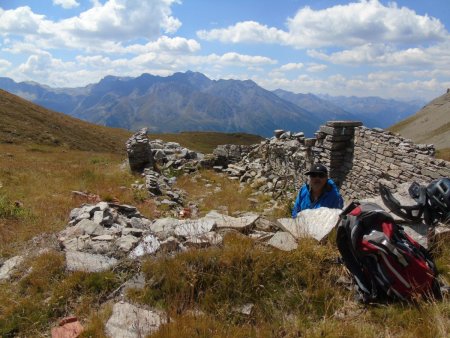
x=317, y=181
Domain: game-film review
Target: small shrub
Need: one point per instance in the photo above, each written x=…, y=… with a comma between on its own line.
x=140, y=195
x=12, y=210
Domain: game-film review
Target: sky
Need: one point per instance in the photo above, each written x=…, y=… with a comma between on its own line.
x=390, y=49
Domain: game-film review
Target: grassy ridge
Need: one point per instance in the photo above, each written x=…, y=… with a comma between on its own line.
x=206, y=142
x=24, y=123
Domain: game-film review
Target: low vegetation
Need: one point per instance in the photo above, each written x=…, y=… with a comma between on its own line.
x=241, y=289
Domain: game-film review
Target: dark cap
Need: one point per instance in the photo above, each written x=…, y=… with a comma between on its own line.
x=317, y=168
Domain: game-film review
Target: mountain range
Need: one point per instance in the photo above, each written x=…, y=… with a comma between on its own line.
x=191, y=101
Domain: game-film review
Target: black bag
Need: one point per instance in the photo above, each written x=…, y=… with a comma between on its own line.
x=385, y=262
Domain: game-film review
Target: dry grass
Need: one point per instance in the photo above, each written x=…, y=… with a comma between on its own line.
x=293, y=294
x=213, y=191
x=443, y=154
x=207, y=141
x=26, y=123
x=42, y=178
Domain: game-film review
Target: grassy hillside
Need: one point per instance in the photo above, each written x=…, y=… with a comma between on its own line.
x=25, y=122
x=429, y=125
x=206, y=142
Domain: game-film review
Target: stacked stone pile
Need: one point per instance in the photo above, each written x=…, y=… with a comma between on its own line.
x=99, y=236
x=139, y=152
x=334, y=147
x=270, y=167
x=172, y=155
x=143, y=153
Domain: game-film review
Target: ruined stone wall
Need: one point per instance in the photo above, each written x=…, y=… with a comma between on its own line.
x=358, y=158
x=380, y=156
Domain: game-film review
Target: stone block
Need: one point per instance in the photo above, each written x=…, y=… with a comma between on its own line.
x=129, y=321
x=352, y=124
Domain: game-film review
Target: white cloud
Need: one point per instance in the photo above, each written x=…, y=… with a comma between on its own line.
x=118, y=20
x=316, y=67
x=399, y=85
x=389, y=56
x=164, y=43
x=239, y=59
x=290, y=67
x=44, y=68
x=4, y=64
x=247, y=31
x=341, y=25
x=66, y=4
x=19, y=21
x=104, y=26
x=357, y=23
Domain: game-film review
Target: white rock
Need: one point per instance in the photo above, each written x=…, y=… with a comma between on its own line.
x=192, y=228
x=283, y=241
x=102, y=205
x=418, y=232
x=103, y=238
x=89, y=227
x=74, y=243
x=8, y=267
x=149, y=245
x=204, y=240
x=236, y=223
x=81, y=261
x=315, y=223
x=129, y=321
x=126, y=243
x=261, y=235
x=165, y=227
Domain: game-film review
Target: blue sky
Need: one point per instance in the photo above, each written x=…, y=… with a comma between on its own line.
x=365, y=48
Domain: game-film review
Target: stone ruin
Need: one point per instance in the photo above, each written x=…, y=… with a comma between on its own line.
x=359, y=158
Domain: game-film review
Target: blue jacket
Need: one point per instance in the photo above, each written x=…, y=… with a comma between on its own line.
x=331, y=198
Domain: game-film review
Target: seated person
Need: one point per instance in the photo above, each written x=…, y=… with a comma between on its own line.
x=320, y=192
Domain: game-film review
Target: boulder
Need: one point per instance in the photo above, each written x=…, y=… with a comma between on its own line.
x=283, y=241
x=237, y=223
x=129, y=321
x=315, y=223
x=149, y=245
x=204, y=240
x=82, y=261
x=192, y=228
x=164, y=227
x=8, y=267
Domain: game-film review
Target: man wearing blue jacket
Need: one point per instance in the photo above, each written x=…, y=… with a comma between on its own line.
x=320, y=192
